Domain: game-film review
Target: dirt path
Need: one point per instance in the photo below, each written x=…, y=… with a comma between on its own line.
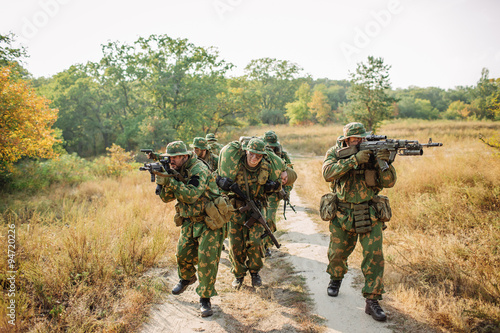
x=306, y=249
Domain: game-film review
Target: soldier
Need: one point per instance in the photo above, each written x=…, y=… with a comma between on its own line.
x=213, y=145
x=253, y=170
x=198, y=243
x=274, y=199
x=357, y=181
x=201, y=149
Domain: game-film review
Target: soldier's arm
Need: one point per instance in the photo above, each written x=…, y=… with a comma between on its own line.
x=191, y=191
x=334, y=168
x=388, y=178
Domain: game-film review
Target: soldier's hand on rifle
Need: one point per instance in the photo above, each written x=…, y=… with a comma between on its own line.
x=383, y=155
x=271, y=186
x=284, y=177
x=158, y=189
x=224, y=182
x=362, y=156
x=150, y=155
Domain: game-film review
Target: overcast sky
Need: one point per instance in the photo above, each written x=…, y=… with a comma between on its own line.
x=439, y=43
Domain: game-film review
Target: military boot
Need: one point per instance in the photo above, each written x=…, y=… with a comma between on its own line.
x=206, y=307
x=256, y=280
x=373, y=308
x=333, y=288
x=237, y=283
x=182, y=285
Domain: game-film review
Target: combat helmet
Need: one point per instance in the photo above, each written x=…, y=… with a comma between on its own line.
x=176, y=148
x=256, y=146
x=353, y=130
x=271, y=139
x=200, y=143
x=210, y=137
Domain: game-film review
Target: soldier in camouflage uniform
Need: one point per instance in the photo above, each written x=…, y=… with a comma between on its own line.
x=253, y=178
x=199, y=246
x=213, y=145
x=348, y=180
x=201, y=149
x=274, y=199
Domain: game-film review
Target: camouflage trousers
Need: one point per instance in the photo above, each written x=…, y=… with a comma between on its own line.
x=343, y=242
x=199, y=246
x=245, y=246
x=272, y=208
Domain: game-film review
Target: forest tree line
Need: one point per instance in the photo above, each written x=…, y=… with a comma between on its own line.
x=159, y=89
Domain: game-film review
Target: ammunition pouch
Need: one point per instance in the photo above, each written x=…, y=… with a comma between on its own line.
x=178, y=219
x=361, y=216
x=328, y=206
x=382, y=207
x=370, y=176
x=218, y=212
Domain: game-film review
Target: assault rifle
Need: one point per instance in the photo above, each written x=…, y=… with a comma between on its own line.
x=286, y=201
x=161, y=168
x=255, y=213
x=374, y=143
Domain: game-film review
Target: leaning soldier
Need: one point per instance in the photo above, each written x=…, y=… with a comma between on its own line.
x=356, y=181
x=201, y=149
x=200, y=242
x=274, y=199
x=213, y=145
x=253, y=171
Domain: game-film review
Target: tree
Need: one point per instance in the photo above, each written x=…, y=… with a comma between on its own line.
x=487, y=96
x=12, y=56
x=275, y=81
x=369, y=100
x=26, y=122
x=319, y=107
x=298, y=111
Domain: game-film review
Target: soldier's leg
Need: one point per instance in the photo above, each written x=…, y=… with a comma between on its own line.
x=238, y=235
x=187, y=252
x=373, y=262
x=342, y=244
x=254, y=248
x=209, y=251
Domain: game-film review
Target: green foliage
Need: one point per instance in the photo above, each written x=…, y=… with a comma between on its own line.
x=298, y=111
x=273, y=117
x=115, y=164
x=410, y=107
x=487, y=97
x=368, y=94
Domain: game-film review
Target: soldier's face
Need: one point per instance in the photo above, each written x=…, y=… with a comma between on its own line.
x=200, y=152
x=353, y=141
x=253, y=159
x=176, y=162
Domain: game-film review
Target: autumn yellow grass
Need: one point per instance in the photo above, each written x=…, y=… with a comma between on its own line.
x=81, y=254
x=442, y=246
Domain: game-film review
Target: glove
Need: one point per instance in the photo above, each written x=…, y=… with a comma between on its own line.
x=271, y=186
x=383, y=155
x=158, y=189
x=224, y=183
x=362, y=156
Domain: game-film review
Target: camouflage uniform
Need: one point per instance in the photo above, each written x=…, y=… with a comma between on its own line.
x=210, y=159
x=198, y=245
x=245, y=245
x=348, y=181
x=213, y=145
x=274, y=199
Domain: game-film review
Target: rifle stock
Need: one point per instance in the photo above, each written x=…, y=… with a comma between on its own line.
x=255, y=214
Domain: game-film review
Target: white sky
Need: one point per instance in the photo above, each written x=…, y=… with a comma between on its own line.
x=440, y=43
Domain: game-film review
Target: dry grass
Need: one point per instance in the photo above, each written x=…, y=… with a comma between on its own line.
x=443, y=243
x=81, y=253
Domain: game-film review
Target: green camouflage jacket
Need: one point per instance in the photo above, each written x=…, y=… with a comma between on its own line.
x=215, y=148
x=349, y=181
x=200, y=187
x=211, y=160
